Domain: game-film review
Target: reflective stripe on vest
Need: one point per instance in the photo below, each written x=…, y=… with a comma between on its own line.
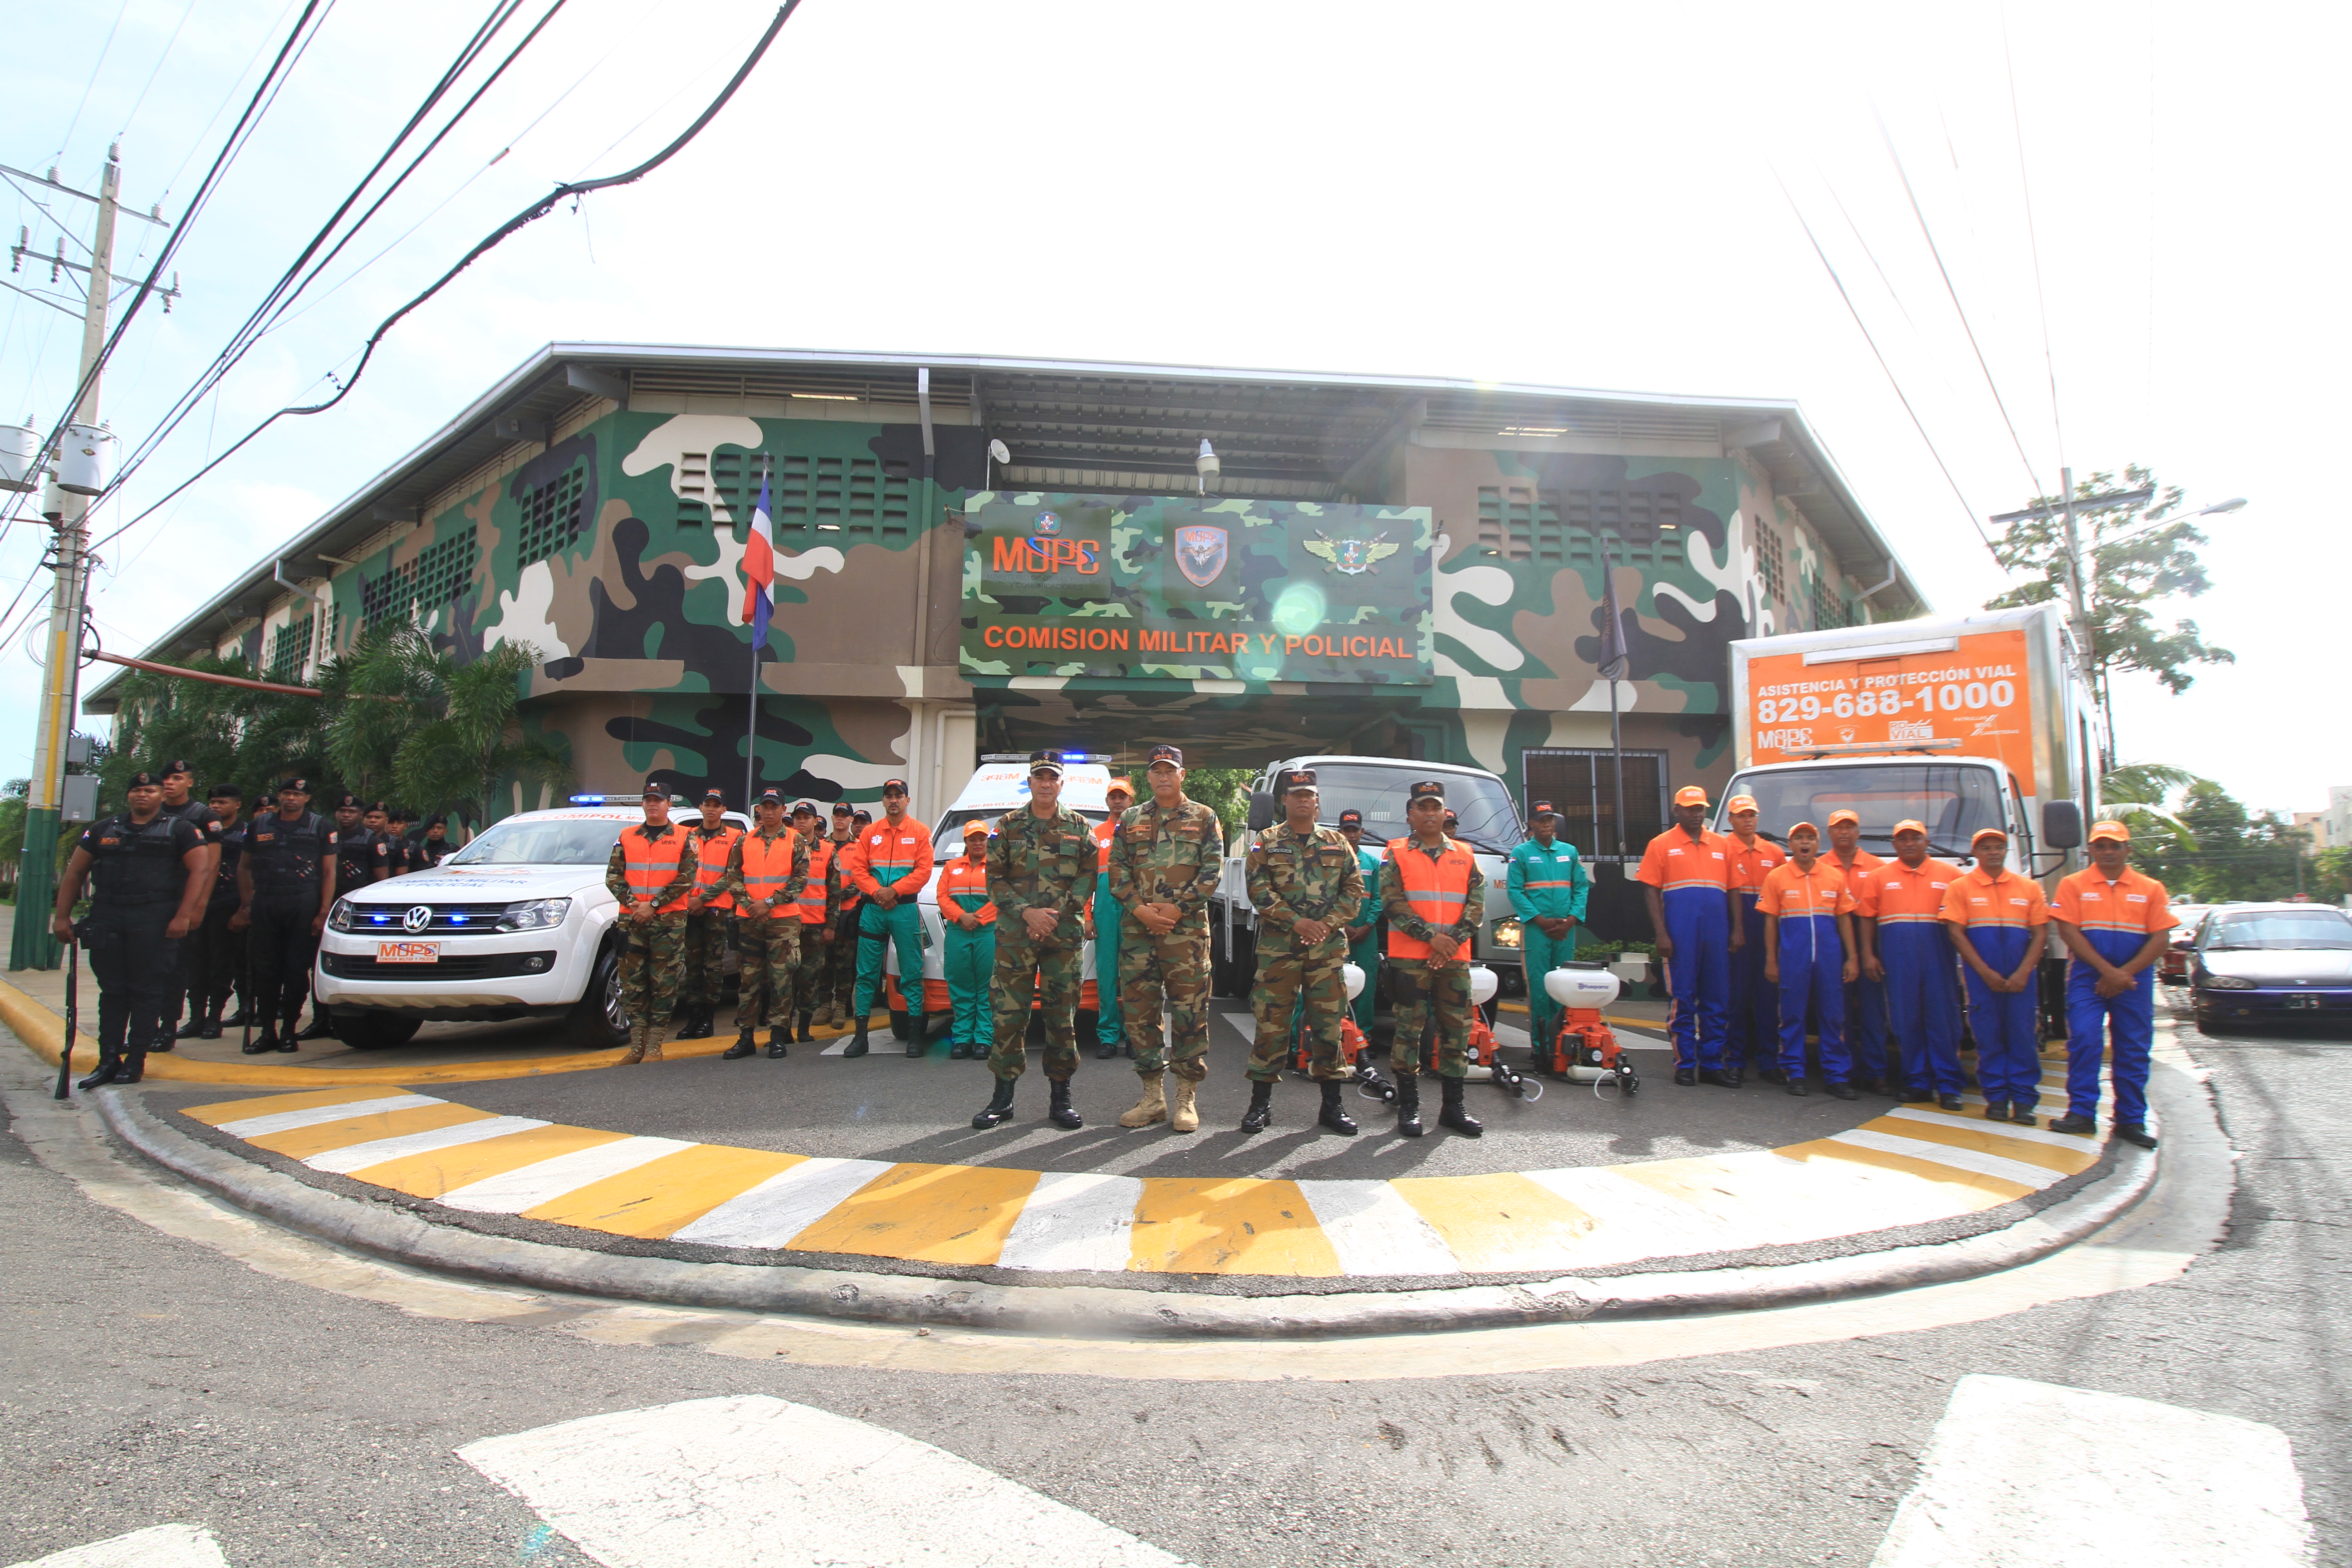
x=967, y=883
x=813, y=894
x=1531, y=886
x=767, y=867
x=1437, y=890
x=712, y=864
x=652, y=866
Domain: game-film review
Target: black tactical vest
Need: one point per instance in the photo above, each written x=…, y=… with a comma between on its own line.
x=133, y=865
x=285, y=855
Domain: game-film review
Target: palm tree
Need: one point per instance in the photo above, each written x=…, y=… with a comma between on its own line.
x=2139, y=789
x=459, y=758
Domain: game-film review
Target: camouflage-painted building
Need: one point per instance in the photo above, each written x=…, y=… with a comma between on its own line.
x=1387, y=566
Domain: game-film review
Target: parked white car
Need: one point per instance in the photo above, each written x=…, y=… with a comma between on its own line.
x=517, y=924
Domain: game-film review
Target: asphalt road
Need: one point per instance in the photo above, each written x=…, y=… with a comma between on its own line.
x=153, y=1379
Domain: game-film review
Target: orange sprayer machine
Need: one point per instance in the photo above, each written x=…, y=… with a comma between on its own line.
x=1585, y=1048
x=1354, y=1049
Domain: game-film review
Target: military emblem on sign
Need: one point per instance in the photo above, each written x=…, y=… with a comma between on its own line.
x=1048, y=525
x=1351, y=557
x=1200, y=554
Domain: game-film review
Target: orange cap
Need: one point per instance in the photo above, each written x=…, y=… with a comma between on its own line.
x=1740, y=802
x=1984, y=832
x=1690, y=794
x=1845, y=814
x=1909, y=825
x=1127, y=785
x=2115, y=831
x=1795, y=828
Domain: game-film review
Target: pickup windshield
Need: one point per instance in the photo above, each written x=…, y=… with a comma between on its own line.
x=542, y=843
x=1953, y=802
x=1488, y=819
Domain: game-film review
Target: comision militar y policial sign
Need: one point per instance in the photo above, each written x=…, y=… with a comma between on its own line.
x=1144, y=587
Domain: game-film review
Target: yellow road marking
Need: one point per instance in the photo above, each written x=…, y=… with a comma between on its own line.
x=1498, y=1222
x=1971, y=1189
x=933, y=1214
x=272, y=1104
x=660, y=1195
x=438, y=1171
x=1977, y=1135
x=1236, y=1227
x=301, y=1143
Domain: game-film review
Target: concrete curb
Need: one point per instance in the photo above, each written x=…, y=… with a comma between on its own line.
x=398, y=1236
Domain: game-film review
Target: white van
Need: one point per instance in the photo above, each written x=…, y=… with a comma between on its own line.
x=1000, y=784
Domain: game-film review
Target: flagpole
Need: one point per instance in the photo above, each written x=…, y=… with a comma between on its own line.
x=751, y=695
x=1613, y=668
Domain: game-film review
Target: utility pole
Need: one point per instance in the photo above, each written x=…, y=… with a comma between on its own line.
x=30, y=944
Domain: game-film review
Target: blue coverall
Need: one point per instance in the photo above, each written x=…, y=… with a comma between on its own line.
x=1999, y=919
x=1812, y=980
x=1753, y=1030
x=2116, y=919
x=1692, y=877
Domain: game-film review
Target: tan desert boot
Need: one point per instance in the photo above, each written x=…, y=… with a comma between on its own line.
x=1151, y=1108
x=1182, y=1115
x=655, y=1034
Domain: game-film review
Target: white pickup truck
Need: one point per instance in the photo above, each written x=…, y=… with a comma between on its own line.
x=517, y=924
x=1489, y=823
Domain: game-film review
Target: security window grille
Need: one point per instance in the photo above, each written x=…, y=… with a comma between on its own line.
x=1771, y=562
x=1582, y=787
x=1571, y=528
x=551, y=517
x=289, y=650
x=1829, y=610
x=439, y=575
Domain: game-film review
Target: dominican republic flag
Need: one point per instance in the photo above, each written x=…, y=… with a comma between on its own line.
x=760, y=572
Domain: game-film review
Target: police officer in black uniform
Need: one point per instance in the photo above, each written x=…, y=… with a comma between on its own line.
x=179, y=783
x=429, y=851
x=285, y=885
x=362, y=855
x=150, y=882
x=396, y=819
x=218, y=971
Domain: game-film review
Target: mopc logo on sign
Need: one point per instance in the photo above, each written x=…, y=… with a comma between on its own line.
x=1200, y=554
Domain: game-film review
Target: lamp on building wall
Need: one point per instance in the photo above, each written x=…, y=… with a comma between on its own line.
x=998, y=452
x=1207, y=464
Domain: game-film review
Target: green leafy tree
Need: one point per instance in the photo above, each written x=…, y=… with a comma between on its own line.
x=225, y=733
x=2135, y=795
x=2237, y=853
x=2331, y=874
x=2136, y=559
x=440, y=732
x=1224, y=791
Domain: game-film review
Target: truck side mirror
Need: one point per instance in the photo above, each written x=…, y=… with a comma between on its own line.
x=1264, y=810
x=2061, y=823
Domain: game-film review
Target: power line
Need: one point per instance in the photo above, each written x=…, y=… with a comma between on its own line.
x=1975, y=520
x=532, y=213
x=103, y=50
x=1954, y=294
x=141, y=101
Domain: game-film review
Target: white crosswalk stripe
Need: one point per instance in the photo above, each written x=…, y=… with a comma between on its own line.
x=158, y=1546
x=757, y=1483
x=359, y=1156
x=2036, y=1475
x=1375, y=1232
x=512, y=1192
x=316, y=1115
x=784, y=1205
x=1076, y=1219
x=1983, y=1164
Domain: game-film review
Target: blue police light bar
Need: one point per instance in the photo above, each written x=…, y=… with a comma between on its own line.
x=591, y=800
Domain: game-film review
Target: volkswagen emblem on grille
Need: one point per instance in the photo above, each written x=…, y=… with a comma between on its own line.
x=417, y=919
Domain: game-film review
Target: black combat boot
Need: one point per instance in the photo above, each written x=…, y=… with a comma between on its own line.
x=109, y=1063
x=212, y=1024
x=134, y=1067
x=779, y=1040
x=1451, y=1115
x=1260, y=1113
x=999, y=1109
x=857, y=1040
x=1335, y=1114
x=166, y=1037
x=1408, y=1105
x=195, y=1027
x=238, y=1019
x=321, y=1028
x=807, y=1036
x=265, y=1041
x=745, y=1045
x=1060, y=1112
x=1107, y=1050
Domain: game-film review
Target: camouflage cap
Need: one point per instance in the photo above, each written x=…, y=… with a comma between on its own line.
x=1426, y=789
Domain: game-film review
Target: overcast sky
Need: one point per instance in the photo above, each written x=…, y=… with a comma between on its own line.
x=1557, y=193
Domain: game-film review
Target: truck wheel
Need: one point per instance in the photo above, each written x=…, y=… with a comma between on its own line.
x=375, y=1031
x=597, y=1022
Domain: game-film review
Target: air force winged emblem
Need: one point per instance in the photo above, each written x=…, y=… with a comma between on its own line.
x=1200, y=554
x=1352, y=557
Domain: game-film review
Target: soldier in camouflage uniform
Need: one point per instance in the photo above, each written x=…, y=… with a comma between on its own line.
x=820, y=902
x=709, y=912
x=652, y=866
x=1436, y=898
x=841, y=920
x=768, y=870
x=1040, y=872
x=1163, y=867
x=1306, y=883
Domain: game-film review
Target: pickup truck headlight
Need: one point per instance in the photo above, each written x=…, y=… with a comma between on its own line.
x=539, y=914
x=340, y=917
x=1510, y=934
x=2225, y=982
